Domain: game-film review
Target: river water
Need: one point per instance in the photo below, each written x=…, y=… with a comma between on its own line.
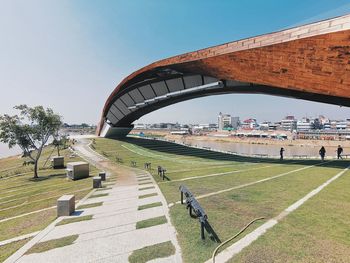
x=5, y=151
x=263, y=149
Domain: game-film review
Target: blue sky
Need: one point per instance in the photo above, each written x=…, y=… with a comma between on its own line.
x=70, y=54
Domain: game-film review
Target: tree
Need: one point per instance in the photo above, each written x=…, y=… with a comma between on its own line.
x=30, y=130
x=60, y=142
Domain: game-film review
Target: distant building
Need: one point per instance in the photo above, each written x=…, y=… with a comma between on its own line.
x=264, y=126
x=206, y=126
x=226, y=121
x=327, y=125
x=249, y=124
x=341, y=125
x=289, y=123
x=274, y=126
x=323, y=119
x=304, y=125
x=140, y=126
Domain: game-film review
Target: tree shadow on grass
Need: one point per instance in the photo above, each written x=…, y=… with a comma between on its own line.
x=47, y=177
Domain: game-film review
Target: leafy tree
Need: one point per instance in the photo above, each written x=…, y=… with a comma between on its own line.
x=60, y=142
x=30, y=130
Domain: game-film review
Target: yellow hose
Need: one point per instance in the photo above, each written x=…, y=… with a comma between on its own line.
x=233, y=237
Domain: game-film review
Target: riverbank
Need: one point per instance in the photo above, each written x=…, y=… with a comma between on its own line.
x=254, y=146
x=224, y=137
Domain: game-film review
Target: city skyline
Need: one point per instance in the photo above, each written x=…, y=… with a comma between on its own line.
x=240, y=119
x=270, y=114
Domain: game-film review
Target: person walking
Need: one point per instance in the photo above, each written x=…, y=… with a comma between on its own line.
x=339, y=152
x=281, y=153
x=322, y=153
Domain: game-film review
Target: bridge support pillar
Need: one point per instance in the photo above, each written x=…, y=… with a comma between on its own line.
x=115, y=132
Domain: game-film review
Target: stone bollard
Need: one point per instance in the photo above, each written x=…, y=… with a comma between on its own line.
x=102, y=175
x=77, y=170
x=65, y=205
x=96, y=182
x=57, y=162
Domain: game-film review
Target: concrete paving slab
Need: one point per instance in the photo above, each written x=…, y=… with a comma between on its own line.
x=97, y=248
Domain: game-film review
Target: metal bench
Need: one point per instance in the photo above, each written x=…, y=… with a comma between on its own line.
x=195, y=209
x=148, y=166
x=161, y=172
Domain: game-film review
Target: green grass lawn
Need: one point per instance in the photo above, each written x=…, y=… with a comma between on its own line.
x=21, y=194
x=317, y=232
x=9, y=249
x=206, y=172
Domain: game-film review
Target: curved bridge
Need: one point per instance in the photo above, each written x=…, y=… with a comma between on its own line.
x=310, y=62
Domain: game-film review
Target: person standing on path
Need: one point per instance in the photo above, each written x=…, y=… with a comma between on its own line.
x=281, y=153
x=322, y=153
x=339, y=152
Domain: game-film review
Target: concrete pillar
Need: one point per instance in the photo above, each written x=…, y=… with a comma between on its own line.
x=65, y=205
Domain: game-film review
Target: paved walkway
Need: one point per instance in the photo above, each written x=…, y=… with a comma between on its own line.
x=111, y=235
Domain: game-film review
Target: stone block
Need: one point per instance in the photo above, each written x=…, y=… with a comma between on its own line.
x=57, y=162
x=96, y=182
x=102, y=175
x=65, y=205
x=77, y=170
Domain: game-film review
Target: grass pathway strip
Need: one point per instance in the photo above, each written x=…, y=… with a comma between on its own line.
x=98, y=195
x=146, y=188
x=89, y=205
x=51, y=244
x=142, y=207
x=147, y=195
x=74, y=220
x=151, y=222
x=148, y=253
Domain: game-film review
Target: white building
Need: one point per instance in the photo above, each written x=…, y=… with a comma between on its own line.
x=225, y=120
x=304, y=125
x=341, y=125
x=249, y=124
x=289, y=123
